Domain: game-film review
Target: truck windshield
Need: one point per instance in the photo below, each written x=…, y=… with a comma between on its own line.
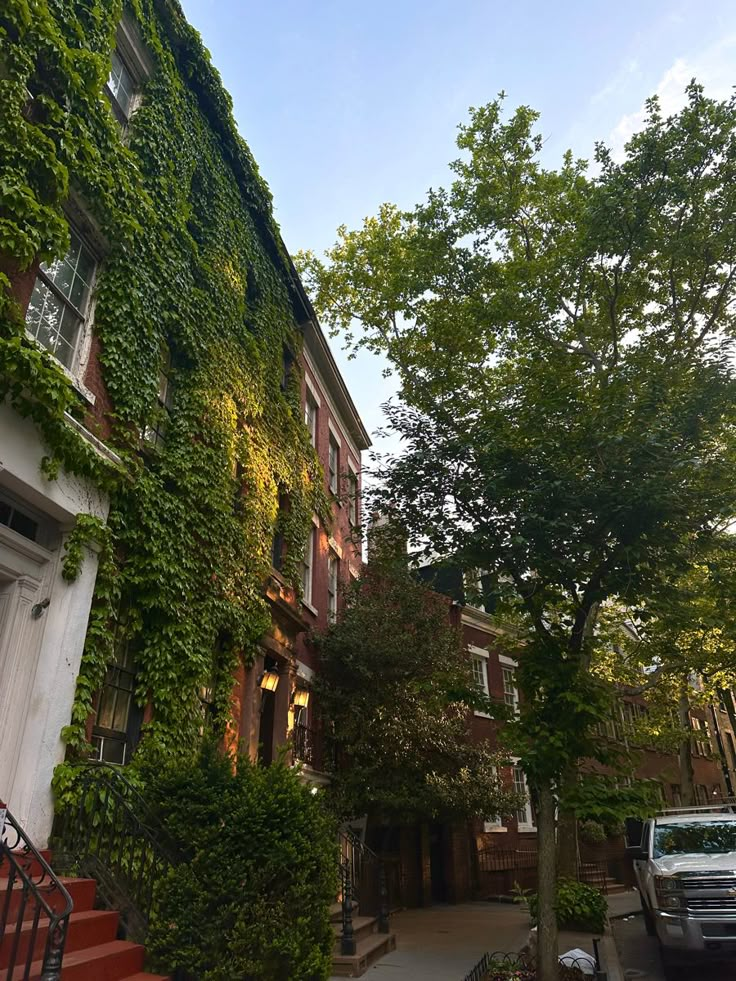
x=712, y=837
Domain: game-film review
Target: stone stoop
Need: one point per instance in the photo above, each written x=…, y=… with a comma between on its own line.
x=92, y=952
x=370, y=945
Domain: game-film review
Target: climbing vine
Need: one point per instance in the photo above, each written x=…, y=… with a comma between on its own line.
x=193, y=262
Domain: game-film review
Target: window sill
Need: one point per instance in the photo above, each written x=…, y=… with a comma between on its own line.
x=526, y=828
x=89, y=397
x=312, y=609
x=481, y=715
x=495, y=831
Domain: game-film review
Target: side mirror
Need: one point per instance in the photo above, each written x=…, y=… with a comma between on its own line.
x=637, y=853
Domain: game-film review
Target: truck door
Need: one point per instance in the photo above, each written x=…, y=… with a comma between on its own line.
x=640, y=865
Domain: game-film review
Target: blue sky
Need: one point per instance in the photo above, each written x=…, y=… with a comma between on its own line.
x=349, y=104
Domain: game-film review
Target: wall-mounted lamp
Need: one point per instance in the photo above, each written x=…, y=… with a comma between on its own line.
x=300, y=698
x=38, y=608
x=269, y=680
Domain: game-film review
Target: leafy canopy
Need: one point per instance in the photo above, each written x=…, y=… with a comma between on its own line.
x=396, y=682
x=563, y=343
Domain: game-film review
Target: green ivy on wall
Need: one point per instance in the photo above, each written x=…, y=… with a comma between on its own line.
x=194, y=262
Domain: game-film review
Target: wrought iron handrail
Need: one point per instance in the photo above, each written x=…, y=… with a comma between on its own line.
x=112, y=835
x=34, y=900
x=306, y=745
x=359, y=868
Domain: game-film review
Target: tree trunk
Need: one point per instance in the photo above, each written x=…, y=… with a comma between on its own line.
x=687, y=782
x=567, y=830
x=547, y=964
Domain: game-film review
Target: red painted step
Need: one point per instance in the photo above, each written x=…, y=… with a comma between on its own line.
x=30, y=863
x=89, y=928
x=82, y=892
x=114, y=961
x=148, y=977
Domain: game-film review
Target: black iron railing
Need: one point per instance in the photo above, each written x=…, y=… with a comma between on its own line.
x=312, y=748
x=363, y=887
x=112, y=836
x=307, y=746
x=523, y=966
x=508, y=867
x=34, y=909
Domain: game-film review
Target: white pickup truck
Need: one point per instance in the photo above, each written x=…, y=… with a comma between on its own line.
x=685, y=867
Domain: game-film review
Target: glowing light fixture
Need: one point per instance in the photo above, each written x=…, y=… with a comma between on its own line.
x=300, y=698
x=269, y=680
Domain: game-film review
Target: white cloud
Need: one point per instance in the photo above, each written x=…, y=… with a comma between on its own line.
x=623, y=76
x=713, y=67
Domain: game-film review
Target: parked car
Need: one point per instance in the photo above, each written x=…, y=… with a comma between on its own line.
x=685, y=867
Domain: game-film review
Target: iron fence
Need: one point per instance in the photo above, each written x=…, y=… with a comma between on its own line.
x=34, y=910
x=499, y=965
x=112, y=836
x=363, y=887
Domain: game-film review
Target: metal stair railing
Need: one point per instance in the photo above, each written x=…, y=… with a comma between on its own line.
x=34, y=900
x=363, y=885
x=112, y=836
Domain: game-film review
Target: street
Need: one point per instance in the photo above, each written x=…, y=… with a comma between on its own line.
x=640, y=959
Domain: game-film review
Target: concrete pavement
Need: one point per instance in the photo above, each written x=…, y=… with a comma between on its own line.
x=443, y=943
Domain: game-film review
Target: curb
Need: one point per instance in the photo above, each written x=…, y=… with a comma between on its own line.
x=611, y=963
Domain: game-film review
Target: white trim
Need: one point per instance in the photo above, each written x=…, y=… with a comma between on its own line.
x=334, y=412
x=97, y=445
x=508, y=662
x=315, y=520
x=304, y=671
x=312, y=609
x=133, y=50
x=335, y=433
x=482, y=651
x=308, y=567
x=334, y=546
x=309, y=384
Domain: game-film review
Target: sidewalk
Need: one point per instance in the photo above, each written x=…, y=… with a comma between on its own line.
x=444, y=943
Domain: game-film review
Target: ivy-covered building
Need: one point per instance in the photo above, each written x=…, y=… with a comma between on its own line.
x=158, y=362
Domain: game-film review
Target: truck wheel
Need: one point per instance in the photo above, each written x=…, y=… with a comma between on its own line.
x=649, y=924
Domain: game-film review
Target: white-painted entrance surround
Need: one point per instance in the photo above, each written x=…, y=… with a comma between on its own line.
x=41, y=648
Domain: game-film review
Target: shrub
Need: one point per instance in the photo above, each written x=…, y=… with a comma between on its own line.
x=250, y=901
x=578, y=907
x=593, y=832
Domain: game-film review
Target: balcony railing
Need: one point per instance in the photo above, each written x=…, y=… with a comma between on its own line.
x=308, y=746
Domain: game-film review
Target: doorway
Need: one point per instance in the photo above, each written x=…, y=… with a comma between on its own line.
x=437, y=864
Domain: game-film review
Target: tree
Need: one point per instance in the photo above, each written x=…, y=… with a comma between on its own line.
x=679, y=649
x=563, y=344
x=396, y=682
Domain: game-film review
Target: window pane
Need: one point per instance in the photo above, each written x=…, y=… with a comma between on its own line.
x=49, y=319
x=106, y=709
x=121, y=83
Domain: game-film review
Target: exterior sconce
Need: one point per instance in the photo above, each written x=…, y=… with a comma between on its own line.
x=38, y=608
x=300, y=698
x=269, y=680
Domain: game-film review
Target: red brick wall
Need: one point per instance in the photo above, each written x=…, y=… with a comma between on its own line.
x=340, y=532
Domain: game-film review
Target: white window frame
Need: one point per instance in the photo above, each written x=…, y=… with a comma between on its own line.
x=308, y=568
x=333, y=581
x=311, y=410
x=353, y=496
x=333, y=472
x=527, y=824
x=80, y=356
x=134, y=55
x=508, y=664
x=494, y=824
x=480, y=656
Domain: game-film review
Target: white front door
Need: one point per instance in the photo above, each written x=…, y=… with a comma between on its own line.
x=23, y=576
